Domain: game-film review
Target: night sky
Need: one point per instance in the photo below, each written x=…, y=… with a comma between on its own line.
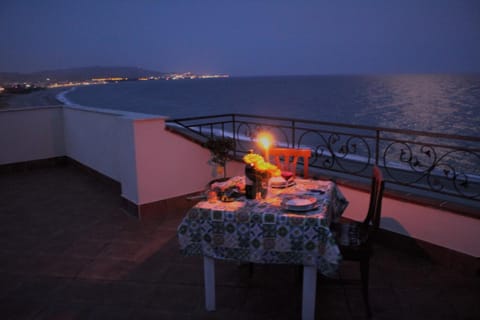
x=243, y=37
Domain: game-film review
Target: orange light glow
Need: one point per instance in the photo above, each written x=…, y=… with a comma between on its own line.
x=265, y=139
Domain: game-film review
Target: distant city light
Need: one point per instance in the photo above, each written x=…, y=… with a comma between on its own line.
x=170, y=76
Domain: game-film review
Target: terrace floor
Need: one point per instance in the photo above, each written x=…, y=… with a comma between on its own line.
x=67, y=251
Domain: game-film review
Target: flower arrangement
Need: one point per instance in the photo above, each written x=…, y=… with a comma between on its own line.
x=260, y=165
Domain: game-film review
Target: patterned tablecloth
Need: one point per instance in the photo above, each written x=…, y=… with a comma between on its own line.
x=264, y=232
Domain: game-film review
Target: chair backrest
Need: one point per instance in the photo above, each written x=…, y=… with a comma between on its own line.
x=376, y=196
x=287, y=158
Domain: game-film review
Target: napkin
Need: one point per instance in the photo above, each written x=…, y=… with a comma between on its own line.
x=237, y=182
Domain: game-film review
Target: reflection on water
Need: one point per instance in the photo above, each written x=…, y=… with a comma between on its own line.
x=435, y=103
x=438, y=103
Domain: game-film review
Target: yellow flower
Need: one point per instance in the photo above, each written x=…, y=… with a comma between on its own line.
x=253, y=158
x=260, y=165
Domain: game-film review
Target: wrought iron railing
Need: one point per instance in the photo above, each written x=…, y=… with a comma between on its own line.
x=433, y=162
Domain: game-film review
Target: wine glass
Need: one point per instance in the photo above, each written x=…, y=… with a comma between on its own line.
x=286, y=173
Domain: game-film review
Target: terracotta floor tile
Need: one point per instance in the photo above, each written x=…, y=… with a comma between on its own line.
x=107, y=269
x=68, y=251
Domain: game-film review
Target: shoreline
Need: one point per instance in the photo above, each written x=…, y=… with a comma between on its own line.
x=40, y=98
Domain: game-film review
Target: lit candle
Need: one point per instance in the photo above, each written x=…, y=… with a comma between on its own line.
x=265, y=139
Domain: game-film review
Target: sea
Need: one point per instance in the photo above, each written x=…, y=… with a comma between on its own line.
x=440, y=103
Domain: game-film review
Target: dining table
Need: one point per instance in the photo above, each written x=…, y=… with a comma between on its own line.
x=270, y=230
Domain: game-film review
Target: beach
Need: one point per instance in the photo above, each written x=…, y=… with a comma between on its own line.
x=46, y=97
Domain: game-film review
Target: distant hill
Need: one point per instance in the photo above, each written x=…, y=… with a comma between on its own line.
x=77, y=74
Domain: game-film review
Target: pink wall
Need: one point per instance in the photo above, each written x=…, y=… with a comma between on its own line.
x=440, y=227
x=167, y=165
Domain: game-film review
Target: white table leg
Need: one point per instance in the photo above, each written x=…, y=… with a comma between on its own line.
x=309, y=292
x=209, y=278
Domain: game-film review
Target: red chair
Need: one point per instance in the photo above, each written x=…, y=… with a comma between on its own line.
x=287, y=158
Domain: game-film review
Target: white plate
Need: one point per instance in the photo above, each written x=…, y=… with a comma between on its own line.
x=285, y=184
x=301, y=209
x=299, y=203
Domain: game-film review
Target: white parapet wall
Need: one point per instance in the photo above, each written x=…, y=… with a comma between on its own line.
x=151, y=163
x=28, y=134
x=103, y=140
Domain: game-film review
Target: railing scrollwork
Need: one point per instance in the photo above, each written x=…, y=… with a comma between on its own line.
x=433, y=162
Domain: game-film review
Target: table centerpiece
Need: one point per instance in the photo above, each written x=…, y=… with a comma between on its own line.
x=257, y=174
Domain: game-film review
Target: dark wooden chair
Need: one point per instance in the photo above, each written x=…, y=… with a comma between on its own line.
x=356, y=239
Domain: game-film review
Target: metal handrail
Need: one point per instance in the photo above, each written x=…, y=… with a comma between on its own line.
x=352, y=126
x=446, y=164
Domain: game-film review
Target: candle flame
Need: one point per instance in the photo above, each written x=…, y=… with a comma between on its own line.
x=265, y=139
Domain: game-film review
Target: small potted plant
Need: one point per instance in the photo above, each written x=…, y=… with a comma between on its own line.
x=221, y=149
